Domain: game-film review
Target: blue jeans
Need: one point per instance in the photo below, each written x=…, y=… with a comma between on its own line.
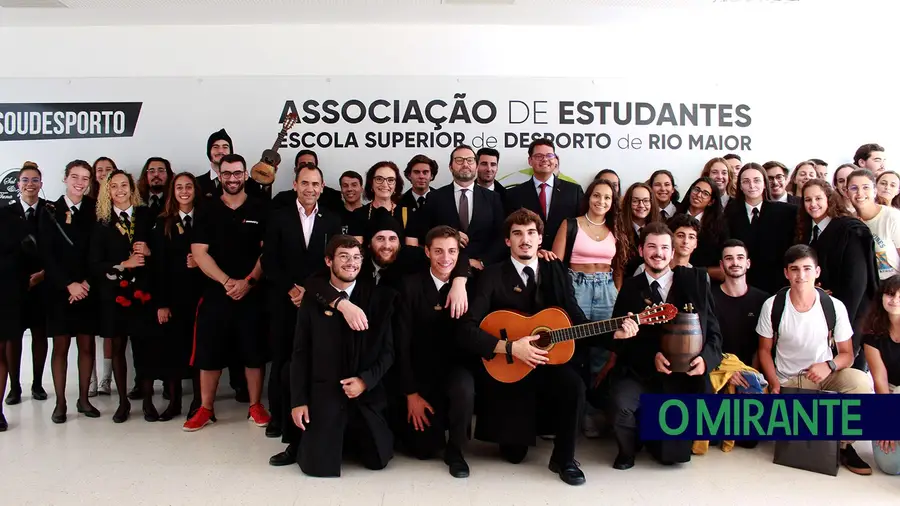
x=596, y=295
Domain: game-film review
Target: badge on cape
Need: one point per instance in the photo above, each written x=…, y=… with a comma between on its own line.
x=68, y=217
x=180, y=228
x=438, y=307
x=328, y=313
x=517, y=289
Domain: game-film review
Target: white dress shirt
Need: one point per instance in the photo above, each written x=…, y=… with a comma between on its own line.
x=26, y=207
x=724, y=199
x=750, y=210
x=349, y=289
x=520, y=267
x=665, y=282
x=822, y=224
x=128, y=211
x=437, y=282
x=72, y=204
x=457, y=193
x=182, y=214
x=782, y=198
x=670, y=210
x=548, y=191
x=307, y=221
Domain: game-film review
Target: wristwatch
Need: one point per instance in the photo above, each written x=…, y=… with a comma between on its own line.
x=251, y=280
x=832, y=365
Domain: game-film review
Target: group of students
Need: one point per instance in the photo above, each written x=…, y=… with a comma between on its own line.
x=370, y=313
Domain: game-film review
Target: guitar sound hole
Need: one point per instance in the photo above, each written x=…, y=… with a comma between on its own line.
x=544, y=341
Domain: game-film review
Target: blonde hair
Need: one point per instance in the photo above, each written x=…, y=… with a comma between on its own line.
x=104, y=199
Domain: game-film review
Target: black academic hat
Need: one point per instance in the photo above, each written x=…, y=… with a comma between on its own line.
x=221, y=135
x=380, y=220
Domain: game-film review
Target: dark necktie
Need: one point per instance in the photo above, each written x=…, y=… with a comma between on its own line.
x=154, y=201
x=125, y=221
x=755, y=214
x=542, y=197
x=74, y=210
x=420, y=202
x=443, y=293
x=529, y=273
x=344, y=295
x=187, y=223
x=664, y=214
x=463, y=210
x=29, y=214
x=815, y=234
x=655, y=296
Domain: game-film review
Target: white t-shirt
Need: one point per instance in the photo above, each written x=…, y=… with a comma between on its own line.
x=802, y=337
x=885, y=227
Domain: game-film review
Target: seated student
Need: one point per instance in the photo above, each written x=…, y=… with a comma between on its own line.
x=640, y=365
x=738, y=305
x=796, y=339
x=336, y=392
x=436, y=391
x=882, y=347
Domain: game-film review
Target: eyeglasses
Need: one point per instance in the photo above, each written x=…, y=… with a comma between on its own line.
x=468, y=161
x=640, y=202
x=347, y=257
x=697, y=191
x=779, y=178
x=26, y=180
x=541, y=157
x=855, y=188
x=231, y=174
x=382, y=180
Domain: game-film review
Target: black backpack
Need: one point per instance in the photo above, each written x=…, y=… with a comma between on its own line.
x=827, y=308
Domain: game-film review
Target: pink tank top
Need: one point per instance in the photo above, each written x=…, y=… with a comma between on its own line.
x=588, y=251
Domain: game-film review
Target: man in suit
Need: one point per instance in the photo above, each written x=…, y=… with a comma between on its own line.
x=294, y=249
x=508, y=412
x=488, y=160
x=420, y=172
x=766, y=227
x=552, y=198
x=30, y=287
x=154, y=182
x=475, y=211
x=338, y=399
x=329, y=199
x=640, y=365
x=777, y=174
x=436, y=392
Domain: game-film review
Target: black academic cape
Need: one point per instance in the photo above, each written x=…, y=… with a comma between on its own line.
x=635, y=356
x=507, y=412
x=13, y=278
x=766, y=241
x=326, y=351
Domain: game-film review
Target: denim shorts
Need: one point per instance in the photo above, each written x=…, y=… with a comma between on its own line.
x=596, y=295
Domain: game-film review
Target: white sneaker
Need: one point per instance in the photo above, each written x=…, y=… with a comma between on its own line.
x=92, y=388
x=589, y=427
x=105, y=387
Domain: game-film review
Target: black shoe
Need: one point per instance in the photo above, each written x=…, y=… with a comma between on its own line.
x=121, y=415
x=14, y=397
x=59, y=414
x=135, y=394
x=242, y=396
x=513, y=454
x=747, y=444
x=458, y=466
x=851, y=460
x=273, y=430
x=285, y=458
x=150, y=412
x=623, y=462
x=38, y=393
x=165, y=393
x=86, y=409
x=171, y=412
x=3, y=424
x=568, y=472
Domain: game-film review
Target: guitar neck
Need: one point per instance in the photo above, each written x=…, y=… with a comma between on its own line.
x=279, y=140
x=589, y=329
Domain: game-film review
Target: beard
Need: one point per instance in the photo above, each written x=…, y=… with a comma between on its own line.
x=343, y=276
x=157, y=188
x=731, y=274
x=654, y=270
x=227, y=189
x=385, y=256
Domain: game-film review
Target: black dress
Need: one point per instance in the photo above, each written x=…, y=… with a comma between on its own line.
x=67, y=263
x=178, y=288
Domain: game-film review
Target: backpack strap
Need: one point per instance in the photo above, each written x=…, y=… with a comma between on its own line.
x=830, y=316
x=775, y=317
x=827, y=308
x=571, y=232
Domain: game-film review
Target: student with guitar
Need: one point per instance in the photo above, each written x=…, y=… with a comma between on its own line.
x=508, y=408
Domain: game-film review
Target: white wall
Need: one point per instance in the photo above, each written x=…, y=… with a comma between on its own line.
x=823, y=73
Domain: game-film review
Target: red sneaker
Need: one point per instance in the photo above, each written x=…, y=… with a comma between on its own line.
x=259, y=416
x=201, y=418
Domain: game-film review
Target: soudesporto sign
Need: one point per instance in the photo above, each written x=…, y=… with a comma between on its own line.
x=72, y=120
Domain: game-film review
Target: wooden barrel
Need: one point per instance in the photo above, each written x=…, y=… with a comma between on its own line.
x=682, y=341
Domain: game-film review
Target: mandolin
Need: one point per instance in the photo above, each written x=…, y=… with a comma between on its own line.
x=264, y=170
x=556, y=335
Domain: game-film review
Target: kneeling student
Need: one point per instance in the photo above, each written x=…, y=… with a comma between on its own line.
x=336, y=391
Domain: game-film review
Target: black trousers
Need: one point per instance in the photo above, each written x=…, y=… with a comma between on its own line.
x=290, y=433
x=453, y=400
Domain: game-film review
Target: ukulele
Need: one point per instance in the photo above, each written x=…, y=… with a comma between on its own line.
x=557, y=335
x=264, y=170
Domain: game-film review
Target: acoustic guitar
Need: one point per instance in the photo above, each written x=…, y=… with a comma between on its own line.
x=264, y=170
x=556, y=335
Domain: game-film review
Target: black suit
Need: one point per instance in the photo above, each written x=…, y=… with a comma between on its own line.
x=65, y=264
x=635, y=372
x=564, y=203
x=508, y=412
x=429, y=364
x=287, y=261
x=412, y=201
x=485, y=230
x=326, y=351
x=767, y=240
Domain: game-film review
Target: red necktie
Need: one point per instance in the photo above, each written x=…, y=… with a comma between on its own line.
x=542, y=197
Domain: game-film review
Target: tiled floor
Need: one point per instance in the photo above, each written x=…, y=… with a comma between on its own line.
x=96, y=462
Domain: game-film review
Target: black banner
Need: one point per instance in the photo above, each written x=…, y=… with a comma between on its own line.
x=9, y=191
x=76, y=120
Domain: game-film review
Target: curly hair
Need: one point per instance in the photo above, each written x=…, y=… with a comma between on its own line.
x=835, y=208
x=731, y=185
x=614, y=221
x=877, y=320
x=104, y=199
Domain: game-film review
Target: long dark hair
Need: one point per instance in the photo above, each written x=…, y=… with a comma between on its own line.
x=739, y=193
x=170, y=211
x=676, y=197
x=712, y=223
x=143, y=184
x=878, y=322
x=369, y=188
x=835, y=207
x=95, y=185
x=627, y=216
x=613, y=221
